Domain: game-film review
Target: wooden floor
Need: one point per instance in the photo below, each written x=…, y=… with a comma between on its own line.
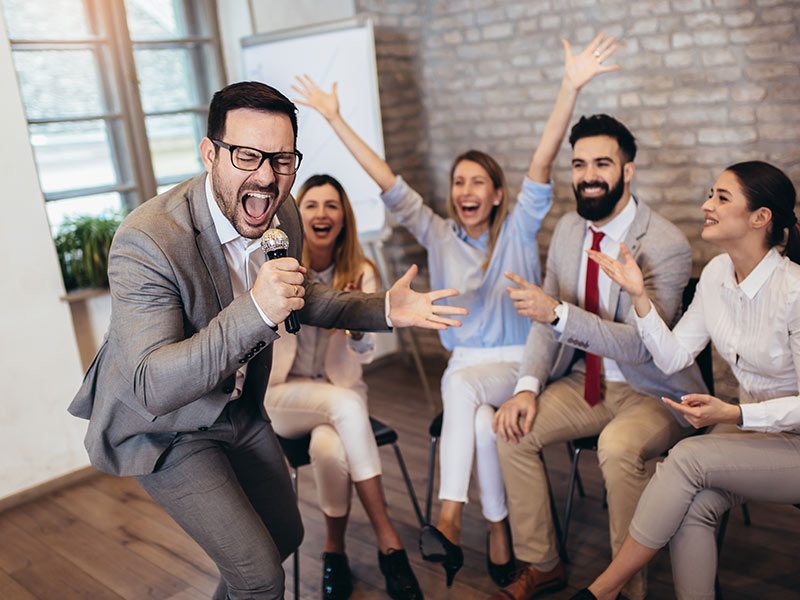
x=104, y=538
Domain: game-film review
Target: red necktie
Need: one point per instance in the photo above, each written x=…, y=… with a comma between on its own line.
x=591, y=387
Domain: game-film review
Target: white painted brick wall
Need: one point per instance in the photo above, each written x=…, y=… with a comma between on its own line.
x=704, y=83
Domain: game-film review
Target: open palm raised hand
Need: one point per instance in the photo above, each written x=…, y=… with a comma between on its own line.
x=626, y=272
x=325, y=103
x=580, y=68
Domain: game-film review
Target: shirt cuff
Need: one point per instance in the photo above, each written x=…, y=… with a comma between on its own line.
x=562, y=318
x=754, y=416
x=528, y=383
x=386, y=310
x=647, y=323
x=261, y=312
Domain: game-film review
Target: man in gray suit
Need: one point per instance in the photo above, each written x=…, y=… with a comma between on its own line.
x=174, y=395
x=585, y=370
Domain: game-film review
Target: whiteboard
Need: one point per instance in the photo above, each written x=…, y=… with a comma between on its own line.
x=340, y=51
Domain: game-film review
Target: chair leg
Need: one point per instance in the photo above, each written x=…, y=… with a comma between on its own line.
x=296, y=560
x=746, y=514
x=431, y=473
x=570, y=450
x=411, y=493
x=576, y=455
x=562, y=551
x=723, y=525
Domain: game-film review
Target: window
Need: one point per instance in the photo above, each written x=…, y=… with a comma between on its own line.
x=116, y=95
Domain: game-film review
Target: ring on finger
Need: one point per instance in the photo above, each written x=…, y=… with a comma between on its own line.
x=596, y=53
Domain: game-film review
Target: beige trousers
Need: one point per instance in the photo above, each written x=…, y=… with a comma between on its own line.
x=633, y=428
x=702, y=478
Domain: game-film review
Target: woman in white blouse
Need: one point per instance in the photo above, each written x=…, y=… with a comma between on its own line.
x=748, y=304
x=316, y=387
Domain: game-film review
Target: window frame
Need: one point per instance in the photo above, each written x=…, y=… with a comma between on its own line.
x=125, y=119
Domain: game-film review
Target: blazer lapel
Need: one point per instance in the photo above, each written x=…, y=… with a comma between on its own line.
x=572, y=260
x=208, y=243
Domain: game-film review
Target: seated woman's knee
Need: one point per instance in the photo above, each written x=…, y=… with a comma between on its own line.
x=326, y=448
x=459, y=388
x=348, y=405
x=484, y=435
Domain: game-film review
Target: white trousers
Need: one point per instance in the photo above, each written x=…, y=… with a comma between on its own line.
x=342, y=445
x=476, y=381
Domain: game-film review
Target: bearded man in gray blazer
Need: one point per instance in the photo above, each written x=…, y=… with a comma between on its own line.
x=175, y=394
x=585, y=370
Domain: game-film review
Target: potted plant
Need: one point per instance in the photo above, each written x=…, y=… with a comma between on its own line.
x=82, y=245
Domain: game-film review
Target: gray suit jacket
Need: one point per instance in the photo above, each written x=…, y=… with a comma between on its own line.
x=664, y=255
x=177, y=336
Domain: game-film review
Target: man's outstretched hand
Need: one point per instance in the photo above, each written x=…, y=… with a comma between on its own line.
x=408, y=308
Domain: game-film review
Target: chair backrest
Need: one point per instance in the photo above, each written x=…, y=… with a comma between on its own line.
x=703, y=359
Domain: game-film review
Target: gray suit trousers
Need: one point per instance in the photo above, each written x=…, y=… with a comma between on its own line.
x=229, y=489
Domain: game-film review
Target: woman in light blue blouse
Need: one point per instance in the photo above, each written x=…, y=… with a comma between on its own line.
x=469, y=251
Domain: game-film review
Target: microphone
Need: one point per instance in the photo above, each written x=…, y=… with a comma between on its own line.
x=274, y=243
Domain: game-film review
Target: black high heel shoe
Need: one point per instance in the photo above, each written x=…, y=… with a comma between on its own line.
x=434, y=547
x=501, y=574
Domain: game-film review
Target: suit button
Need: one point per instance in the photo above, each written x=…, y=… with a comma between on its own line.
x=228, y=389
x=242, y=361
x=260, y=345
x=249, y=355
x=203, y=428
x=255, y=350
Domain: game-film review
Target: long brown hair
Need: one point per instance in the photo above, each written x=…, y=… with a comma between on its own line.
x=348, y=256
x=499, y=212
x=768, y=186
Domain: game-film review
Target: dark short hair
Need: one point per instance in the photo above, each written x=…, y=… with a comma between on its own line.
x=605, y=125
x=247, y=94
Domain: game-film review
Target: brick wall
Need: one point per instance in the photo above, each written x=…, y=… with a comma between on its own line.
x=704, y=83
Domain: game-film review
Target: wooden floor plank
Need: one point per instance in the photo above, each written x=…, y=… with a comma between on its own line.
x=89, y=549
x=105, y=537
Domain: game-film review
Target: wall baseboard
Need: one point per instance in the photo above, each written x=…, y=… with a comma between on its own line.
x=47, y=487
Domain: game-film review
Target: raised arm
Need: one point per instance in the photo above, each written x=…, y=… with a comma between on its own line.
x=578, y=70
x=327, y=104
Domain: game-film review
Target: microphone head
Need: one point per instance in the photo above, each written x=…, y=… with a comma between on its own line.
x=274, y=239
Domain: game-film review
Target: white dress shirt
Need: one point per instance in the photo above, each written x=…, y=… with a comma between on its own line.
x=615, y=231
x=755, y=327
x=244, y=257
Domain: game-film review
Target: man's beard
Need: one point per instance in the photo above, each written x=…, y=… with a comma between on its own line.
x=599, y=207
x=231, y=203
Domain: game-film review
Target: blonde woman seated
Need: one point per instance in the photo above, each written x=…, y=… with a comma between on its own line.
x=470, y=251
x=748, y=304
x=316, y=386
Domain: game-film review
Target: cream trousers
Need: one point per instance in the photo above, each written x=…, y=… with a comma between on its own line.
x=342, y=443
x=475, y=382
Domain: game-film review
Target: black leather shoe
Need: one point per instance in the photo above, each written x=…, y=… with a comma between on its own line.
x=401, y=584
x=584, y=594
x=501, y=574
x=336, y=581
x=435, y=547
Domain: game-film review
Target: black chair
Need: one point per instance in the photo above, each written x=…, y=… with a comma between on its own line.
x=296, y=452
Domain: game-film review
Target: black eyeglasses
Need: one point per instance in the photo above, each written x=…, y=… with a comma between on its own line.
x=251, y=159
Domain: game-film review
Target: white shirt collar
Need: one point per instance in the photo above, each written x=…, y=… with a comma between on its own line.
x=617, y=228
x=226, y=232
x=759, y=275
